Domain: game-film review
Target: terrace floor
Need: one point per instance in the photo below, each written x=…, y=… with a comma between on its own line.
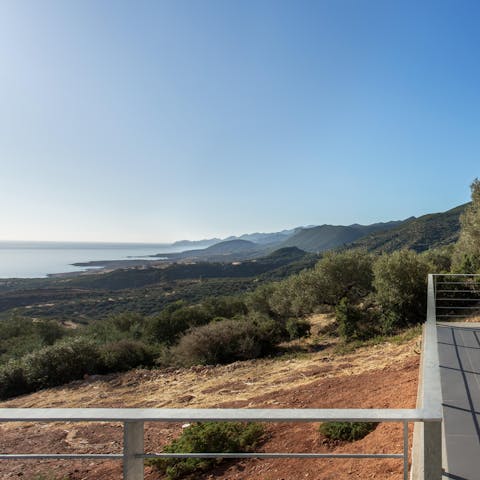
x=459, y=356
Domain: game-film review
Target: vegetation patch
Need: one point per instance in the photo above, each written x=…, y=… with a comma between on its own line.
x=227, y=341
x=208, y=437
x=347, y=431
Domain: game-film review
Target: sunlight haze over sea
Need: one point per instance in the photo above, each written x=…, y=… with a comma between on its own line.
x=38, y=259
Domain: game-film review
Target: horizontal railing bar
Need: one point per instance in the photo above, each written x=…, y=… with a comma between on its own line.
x=454, y=316
x=61, y=456
x=456, y=275
x=270, y=455
x=459, y=299
x=119, y=456
x=458, y=307
x=457, y=291
x=212, y=414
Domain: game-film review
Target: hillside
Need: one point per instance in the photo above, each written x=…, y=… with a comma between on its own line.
x=327, y=237
x=144, y=290
x=419, y=234
x=136, y=278
x=266, y=238
x=226, y=251
x=318, y=378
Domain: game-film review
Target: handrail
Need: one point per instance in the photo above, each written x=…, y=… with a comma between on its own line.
x=428, y=436
x=432, y=390
x=175, y=415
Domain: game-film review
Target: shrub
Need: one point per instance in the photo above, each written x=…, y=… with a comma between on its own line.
x=347, y=431
x=401, y=286
x=193, y=316
x=298, y=295
x=62, y=362
x=439, y=258
x=125, y=355
x=49, y=331
x=208, y=437
x=227, y=341
x=225, y=307
x=13, y=380
x=345, y=274
x=466, y=256
x=169, y=325
x=356, y=322
x=297, y=328
x=259, y=300
x=57, y=364
x=163, y=328
x=308, y=293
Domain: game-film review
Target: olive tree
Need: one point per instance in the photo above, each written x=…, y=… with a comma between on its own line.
x=466, y=257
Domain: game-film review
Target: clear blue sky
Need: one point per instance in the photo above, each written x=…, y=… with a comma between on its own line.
x=160, y=120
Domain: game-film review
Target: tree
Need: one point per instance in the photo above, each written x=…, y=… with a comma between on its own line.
x=345, y=274
x=401, y=286
x=466, y=257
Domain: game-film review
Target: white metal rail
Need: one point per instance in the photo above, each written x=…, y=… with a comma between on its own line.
x=133, y=419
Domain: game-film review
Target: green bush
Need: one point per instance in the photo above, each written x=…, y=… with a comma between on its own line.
x=227, y=341
x=225, y=307
x=348, y=318
x=345, y=274
x=125, y=355
x=61, y=363
x=466, y=255
x=209, y=437
x=401, y=286
x=297, y=328
x=307, y=293
x=347, y=431
x=49, y=331
x=259, y=300
x=13, y=380
x=127, y=321
x=67, y=360
x=439, y=258
x=164, y=328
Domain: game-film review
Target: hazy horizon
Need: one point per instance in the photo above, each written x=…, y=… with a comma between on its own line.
x=157, y=121
x=112, y=243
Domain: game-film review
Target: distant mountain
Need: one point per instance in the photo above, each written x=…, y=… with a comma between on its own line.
x=289, y=253
x=419, y=234
x=327, y=237
x=428, y=231
x=196, y=243
x=266, y=238
x=231, y=246
x=226, y=251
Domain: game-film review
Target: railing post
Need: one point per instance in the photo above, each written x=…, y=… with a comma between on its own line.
x=432, y=450
x=132, y=447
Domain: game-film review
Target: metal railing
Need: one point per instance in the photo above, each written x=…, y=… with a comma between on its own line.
x=429, y=415
x=457, y=296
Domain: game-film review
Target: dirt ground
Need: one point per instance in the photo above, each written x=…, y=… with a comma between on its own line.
x=383, y=376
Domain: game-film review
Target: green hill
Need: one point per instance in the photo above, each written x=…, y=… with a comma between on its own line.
x=327, y=237
x=419, y=234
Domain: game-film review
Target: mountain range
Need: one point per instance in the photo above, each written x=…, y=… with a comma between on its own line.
x=419, y=234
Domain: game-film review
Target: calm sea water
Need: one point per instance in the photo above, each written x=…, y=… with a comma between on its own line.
x=38, y=259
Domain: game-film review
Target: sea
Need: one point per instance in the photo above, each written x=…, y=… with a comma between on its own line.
x=39, y=259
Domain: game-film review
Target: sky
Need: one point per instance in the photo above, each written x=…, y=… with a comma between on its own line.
x=154, y=121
